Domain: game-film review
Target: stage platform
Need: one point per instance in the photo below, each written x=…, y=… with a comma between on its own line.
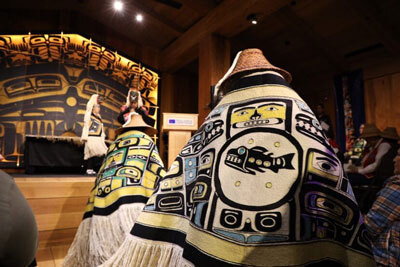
x=58, y=202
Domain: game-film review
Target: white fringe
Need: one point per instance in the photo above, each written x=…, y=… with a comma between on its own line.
x=79, y=250
x=140, y=252
x=102, y=238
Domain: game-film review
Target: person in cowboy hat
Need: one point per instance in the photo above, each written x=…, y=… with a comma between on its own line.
x=257, y=185
x=386, y=167
x=382, y=147
x=377, y=164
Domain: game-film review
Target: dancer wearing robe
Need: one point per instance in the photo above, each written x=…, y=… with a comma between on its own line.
x=93, y=135
x=258, y=184
x=127, y=178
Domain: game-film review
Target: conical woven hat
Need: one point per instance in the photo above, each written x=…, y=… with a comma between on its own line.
x=247, y=61
x=254, y=59
x=370, y=130
x=390, y=133
x=136, y=121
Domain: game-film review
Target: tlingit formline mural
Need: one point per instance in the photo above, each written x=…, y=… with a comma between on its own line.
x=46, y=81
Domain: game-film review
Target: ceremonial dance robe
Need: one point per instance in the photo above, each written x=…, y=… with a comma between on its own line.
x=130, y=171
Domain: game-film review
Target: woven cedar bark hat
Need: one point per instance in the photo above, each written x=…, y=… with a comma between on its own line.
x=136, y=121
x=247, y=61
x=390, y=133
x=370, y=130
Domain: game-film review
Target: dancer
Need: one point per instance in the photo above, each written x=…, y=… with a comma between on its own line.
x=257, y=185
x=131, y=170
x=93, y=135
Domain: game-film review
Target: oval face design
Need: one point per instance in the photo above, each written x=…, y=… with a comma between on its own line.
x=257, y=169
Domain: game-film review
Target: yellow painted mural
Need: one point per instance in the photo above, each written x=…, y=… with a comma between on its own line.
x=47, y=79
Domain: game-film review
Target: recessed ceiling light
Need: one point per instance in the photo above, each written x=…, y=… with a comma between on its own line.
x=252, y=18
x=139, y=17
x=118, y=5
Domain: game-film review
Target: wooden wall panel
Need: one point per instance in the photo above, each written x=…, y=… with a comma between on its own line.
x=52, y=238
x=396, y=101
x=214, y=61
x=178, y=95
x=44, y=257
x=369, y=101
x=382, y=96
x=54, y=187
x=58, y=205
x=59, y=254
x=58, y=220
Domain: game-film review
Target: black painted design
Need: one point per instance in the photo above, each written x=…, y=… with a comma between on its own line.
x=271, y=112
x=309, y=126
x=207, y=133
x=257, y=159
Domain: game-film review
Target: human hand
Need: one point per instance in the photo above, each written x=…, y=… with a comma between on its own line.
x=352, y=168
x=123, y=108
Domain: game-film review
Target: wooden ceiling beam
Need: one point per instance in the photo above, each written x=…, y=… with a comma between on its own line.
x=322, y=47
x=375, y=23
x=226, y=13
x=155, y=18
x=202, y=7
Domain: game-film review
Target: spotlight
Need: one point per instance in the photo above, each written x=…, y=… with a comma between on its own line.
x=139, y=17
x=118, y=5
x=252, y=18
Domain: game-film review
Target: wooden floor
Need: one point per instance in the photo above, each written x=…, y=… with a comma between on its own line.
x=58, y=203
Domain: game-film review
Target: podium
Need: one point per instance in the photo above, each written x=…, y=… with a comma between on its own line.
x=179, y=127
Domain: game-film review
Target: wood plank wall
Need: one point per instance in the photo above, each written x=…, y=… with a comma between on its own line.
x=381, y=92
x=382, y=96
x=58, y=205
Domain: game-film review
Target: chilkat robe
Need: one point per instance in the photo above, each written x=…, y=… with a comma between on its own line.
x=127, y=178
x=258, y=184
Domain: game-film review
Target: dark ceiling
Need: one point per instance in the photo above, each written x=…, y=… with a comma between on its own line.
x=162, y=23
x=309, y=38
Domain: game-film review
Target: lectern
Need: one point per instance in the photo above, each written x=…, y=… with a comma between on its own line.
x=179, y=127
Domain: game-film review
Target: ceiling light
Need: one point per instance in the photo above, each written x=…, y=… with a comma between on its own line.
x=252, y=18
x=118, y=5
x=139, y=17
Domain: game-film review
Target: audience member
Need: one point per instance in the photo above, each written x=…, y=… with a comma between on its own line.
x=386, y=168
x=376, y=150
x=18, y=230
x=357, y=151
x=383, y=220
x=324, y=120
